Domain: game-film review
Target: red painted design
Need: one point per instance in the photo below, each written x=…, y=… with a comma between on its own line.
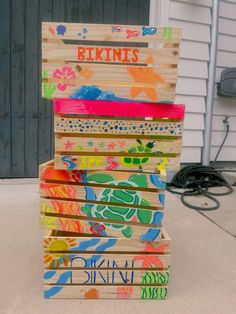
x=97, y=229
x=112, y=164
x=118, y=109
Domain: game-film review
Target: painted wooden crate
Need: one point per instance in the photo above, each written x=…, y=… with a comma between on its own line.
x=106, y=203
x=105, y=268
x=105, y=135
x=89, y=71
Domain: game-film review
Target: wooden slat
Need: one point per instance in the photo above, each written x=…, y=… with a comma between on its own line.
x=89, y=162
x=110, y=276
x=103, y=32
x=138, y=232
x=78, y=243
x=80, y=125
x=119, y=109
x=107, y=261
x=47, y=172
x=93, y=193
x=87, y=73
x=134, y=55
x=120, y=92
x=115, y=145
x=114, y=213
x=105, y=292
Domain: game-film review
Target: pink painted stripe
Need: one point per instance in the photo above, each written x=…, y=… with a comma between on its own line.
x=118, y=108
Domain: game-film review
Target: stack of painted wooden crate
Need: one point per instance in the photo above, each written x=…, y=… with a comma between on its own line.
x=102, y=197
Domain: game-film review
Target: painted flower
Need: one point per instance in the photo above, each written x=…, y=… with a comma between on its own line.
x=66, y=73
x=98, y=229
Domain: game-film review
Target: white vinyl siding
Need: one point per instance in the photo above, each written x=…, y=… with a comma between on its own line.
x=195, y=19
x=224, y=106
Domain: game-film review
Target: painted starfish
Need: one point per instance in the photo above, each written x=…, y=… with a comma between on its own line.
x=111, y=145
x=69, y=145
x=145, y=75
x=150, y=260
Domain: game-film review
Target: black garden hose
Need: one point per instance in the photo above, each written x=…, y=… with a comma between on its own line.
x=196, y=180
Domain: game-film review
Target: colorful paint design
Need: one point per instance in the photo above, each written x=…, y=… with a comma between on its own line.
x=104, y=126
x=48, y=89
x=109, y=54
x=153, y=293
x=148, y=30
x=132, y=33
x=145, y=75
x=95, y=244
x=65, y=73
x=167, y=34
x=83, y=33
x=113, y=277
x=118, y=109
x=107, y=163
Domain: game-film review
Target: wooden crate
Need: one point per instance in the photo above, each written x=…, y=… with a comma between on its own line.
x=89, y=71
x=105, y=268
x=105, y=135
x=108, y=203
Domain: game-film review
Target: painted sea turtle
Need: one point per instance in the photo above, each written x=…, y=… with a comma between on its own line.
x=139, y=149
x=129, y=196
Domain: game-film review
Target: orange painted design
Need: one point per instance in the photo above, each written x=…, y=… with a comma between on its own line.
x=67, y=208
x=52, y=174
x=150, y=260
x=57, y=190
x=71, y=225
x=107, y=54
x=91, y=294
x=145, y=75
x=86, y=73
x=124, y=292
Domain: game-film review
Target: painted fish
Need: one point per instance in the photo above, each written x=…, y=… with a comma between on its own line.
x=116, y=28
x=132, y=33
x=61, y=29
x=148, y=30
x=51, y=30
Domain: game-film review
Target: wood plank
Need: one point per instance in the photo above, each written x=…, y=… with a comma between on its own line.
x=106, y=32
x=108, y=261
x=109, y=276
x=69, y=52
x=118, y=109
x=106, y=145
x=103, y=72
x=105, y=292
x=5, y=80
x=73, y=243
x=112, y=213
x=95, y=193
x=80, y=125
x=47, y=173
x=89, y=162
x=108, y=91
x=138, y=232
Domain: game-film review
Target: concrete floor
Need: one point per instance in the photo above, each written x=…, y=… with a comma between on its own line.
x=203, y=273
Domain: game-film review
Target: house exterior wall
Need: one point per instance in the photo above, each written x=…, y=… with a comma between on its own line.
x=195, y=19
x=223, y=106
